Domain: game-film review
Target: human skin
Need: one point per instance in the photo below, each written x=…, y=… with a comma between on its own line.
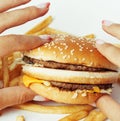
x=10, y=43
x=106, y=103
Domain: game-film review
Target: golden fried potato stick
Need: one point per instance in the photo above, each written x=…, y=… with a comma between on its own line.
x=5, y=71
x=65, y=109
x=20, y=118
x=16, y=81
x=91, y=36
x=95, y=115
x=50, y=31
x=42, y=25
x=100, y=117
x=75, y=116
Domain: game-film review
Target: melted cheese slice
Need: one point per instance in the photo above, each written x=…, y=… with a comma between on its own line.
x=29, y=80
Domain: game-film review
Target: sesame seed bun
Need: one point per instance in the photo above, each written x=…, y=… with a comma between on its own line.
x=71, y=49
x=82, y=77
x=67, y=49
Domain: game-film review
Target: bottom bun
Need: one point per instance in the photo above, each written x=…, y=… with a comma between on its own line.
x=62, y=96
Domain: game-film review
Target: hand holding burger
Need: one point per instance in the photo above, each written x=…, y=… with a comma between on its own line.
x=10, y=43
x=106, y=104
x=69, y=70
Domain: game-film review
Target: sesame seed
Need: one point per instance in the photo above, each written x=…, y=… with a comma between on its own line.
x=49, y=47
x=66, y=47
x=80, y=49
x=54, y=52
x=38, y=49
x=68, y=56
x=72, y=51
x=61, y=52
x=55, y=46
x=64, y=44
x=60, y=48
x=91, y=63
x=83, y=59
x=64, y=57
x=75, y=59
x=52, y=43
x=91, y=50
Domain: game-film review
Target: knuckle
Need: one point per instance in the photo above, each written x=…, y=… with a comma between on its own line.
x=32, y=12
x=25, y=95
x=23, y=98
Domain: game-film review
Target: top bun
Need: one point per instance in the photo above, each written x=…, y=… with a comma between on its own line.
x=73, y=50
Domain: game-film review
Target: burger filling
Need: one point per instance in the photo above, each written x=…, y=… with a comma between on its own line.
x=74, y=86
x=92, y=88
x=77, y=88
x=65, y=66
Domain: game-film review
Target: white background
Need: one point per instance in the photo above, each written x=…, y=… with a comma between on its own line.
x=79, y=17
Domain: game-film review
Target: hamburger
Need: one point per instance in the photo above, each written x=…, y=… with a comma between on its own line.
x=69, y=70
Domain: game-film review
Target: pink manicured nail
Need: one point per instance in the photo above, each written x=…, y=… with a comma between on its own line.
x=99, y=41
x=45, y=37
x=43, y=5
x=39, y=98
x=107, y=23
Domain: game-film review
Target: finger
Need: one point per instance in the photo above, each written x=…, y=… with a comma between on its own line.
x=18, y=17
x=112, y=53
x=111, y=28
x=7, y=4
x=15, y=95
x=12, y=43
x=109, y=107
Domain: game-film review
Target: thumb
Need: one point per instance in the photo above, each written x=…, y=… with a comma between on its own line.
x=109, y=107
x=111, y=28
x=15, y=95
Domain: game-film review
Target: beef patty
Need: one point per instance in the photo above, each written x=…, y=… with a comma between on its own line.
x=74, y=86
x=65, y=66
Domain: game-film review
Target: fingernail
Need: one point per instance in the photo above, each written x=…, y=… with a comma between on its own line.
x=99, y=41
x=46, y=37
x=43, y=5
x=39, y=98
x=93, y=104
x=107, y=23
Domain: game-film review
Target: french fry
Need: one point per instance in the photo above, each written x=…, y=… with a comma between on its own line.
x=49, y=30
x=75, y=116
x=95, y=116
x=5, y=71
x=15, y=72
x=91, y=116
x=20, y=118
x=41, y=32
x=16, y=81
x=42, y=25
x=66, y=109
x=100, y=117
x=91, y=36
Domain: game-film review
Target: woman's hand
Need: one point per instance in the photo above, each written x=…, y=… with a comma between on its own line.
x=111, y=52
x=10, y=43
x=105, y=103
